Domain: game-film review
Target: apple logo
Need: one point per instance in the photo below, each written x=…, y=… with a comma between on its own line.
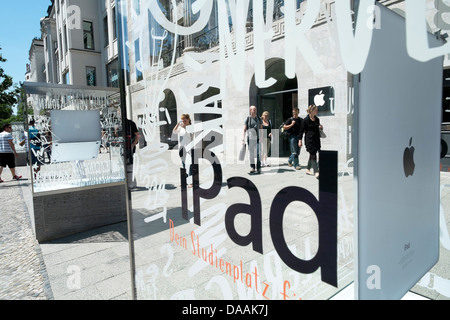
x=408, y=160
x=319, y=99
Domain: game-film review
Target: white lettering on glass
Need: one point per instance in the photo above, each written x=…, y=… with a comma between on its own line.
x=202, y=6
x=354, y=48
x=295, y=37
x=374, y=280
x=263, y=36
x=238, y=12
x=417, y=33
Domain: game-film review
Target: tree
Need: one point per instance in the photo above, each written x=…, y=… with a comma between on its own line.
x=8, y=96
x=5, y=112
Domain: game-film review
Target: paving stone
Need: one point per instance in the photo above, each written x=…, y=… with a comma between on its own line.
x=22, y=269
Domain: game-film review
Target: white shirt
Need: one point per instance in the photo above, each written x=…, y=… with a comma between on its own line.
x=184, y=138
x=4, y=144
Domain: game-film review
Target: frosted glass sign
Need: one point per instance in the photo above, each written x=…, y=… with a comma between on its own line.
x=75, y=138
x=204, y=224
x=229, y=198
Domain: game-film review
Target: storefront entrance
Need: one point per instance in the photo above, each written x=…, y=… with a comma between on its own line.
x=278, y=99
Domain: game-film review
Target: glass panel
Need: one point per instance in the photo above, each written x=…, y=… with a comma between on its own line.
x=70, y=123
x=203, y=225
x=18, y=133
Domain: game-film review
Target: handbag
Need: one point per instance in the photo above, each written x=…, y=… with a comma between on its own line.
x=242, y=152
x=322, y=134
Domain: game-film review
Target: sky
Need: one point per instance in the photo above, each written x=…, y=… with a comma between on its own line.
x=19, y=25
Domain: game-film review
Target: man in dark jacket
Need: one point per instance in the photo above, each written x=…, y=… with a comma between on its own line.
x=294, y=126
x=132, y=139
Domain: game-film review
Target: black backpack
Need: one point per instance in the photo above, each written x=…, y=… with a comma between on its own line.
x=258, y=124
x=283, y=132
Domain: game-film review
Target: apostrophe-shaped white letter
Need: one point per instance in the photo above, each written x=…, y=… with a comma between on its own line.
x=417, y=33
x=354, y=46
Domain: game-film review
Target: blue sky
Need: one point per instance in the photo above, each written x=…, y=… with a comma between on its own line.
x=19, y=24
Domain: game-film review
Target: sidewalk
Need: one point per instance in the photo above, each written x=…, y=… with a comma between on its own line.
x=93, y=265
x=23, y=274
x=88, y=266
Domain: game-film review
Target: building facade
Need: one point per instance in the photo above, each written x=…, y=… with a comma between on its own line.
x=279, y=98
x=36, y=68
x=80, y=47
x=80, y=43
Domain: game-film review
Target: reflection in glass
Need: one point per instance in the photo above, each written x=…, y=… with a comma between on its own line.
x=231, y=235
x=63, y=142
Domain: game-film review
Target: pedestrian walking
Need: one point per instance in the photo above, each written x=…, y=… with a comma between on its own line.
x=34, y=137
x=24, y=143
x=132, y=139
x=293, y=127
x=266, y=138
x=311, y=132
x=184, y=140
x=8, y=152
x=252, y=128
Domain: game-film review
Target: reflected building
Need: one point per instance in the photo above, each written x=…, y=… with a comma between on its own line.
x=80, y=44
x=165, y=65
x=79, y=76
x=80, y=47
x=157, y=54
x=36, y=67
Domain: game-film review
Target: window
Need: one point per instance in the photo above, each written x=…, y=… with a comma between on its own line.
x=137, y=58
x=105, y=31
x=114, y=23
x=112, y=70
x=446, y=97
x=44, y=71
x=137, y=6
x=66, y=47
x=57, y=72
x=91, y=78
x=88, y=35
x=61, y=51
x=66, y=78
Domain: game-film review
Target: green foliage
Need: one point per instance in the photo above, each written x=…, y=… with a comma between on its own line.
x=9, y=96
